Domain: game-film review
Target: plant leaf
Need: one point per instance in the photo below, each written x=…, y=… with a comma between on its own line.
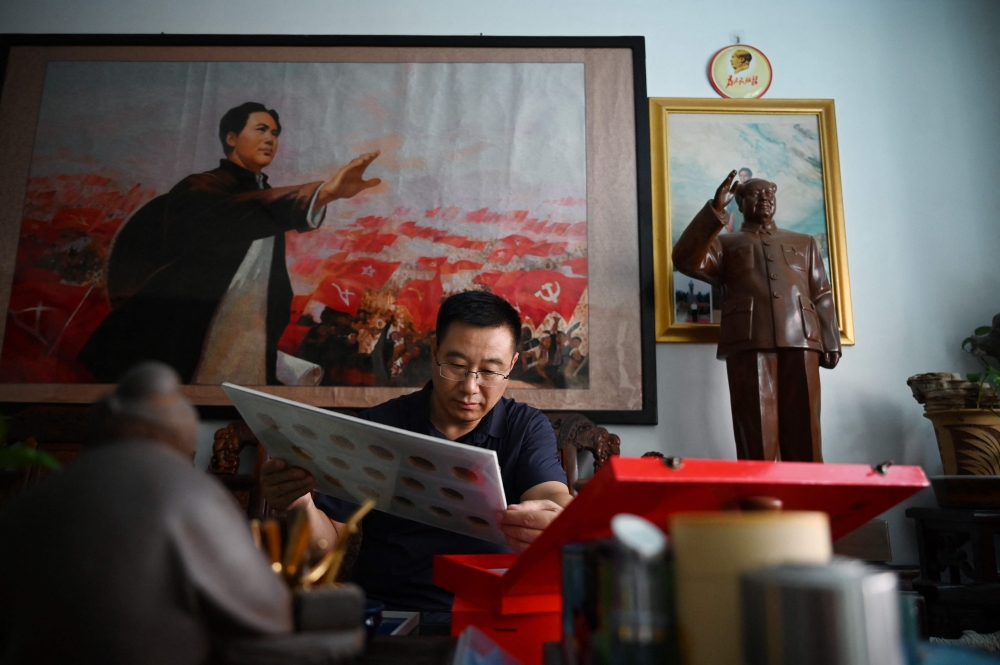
x=982, y=330
x=20, y=456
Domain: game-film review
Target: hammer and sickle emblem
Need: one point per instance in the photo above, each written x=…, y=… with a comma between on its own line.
x=345, y=294
x=549, y=295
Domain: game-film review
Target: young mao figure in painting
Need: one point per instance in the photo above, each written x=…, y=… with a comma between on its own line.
x=473, y=354
x=218, y=295
x=779, y=324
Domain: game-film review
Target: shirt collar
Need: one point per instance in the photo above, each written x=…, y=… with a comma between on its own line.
x=240, y=173
x=493, y=424
x=758, y=228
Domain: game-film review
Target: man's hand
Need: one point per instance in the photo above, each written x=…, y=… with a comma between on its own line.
x=522, y=522
x=725, y=193
x=349, y=180
x=829, y=359
x=284, y=487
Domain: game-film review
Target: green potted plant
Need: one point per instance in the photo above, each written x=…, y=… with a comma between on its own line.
x=965, y=411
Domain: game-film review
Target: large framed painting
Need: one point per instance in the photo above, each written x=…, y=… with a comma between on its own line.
x=288, y=213
x=695, y=144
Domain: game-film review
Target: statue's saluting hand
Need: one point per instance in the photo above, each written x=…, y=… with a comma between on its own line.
x=725, y=193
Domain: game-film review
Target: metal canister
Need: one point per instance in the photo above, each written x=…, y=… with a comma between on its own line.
x=839, y=613
x=618, y=597
x=641, y=617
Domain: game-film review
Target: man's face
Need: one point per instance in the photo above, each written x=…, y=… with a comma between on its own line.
x=255, y=146
x=759, y=201
x=465, y=403
x=744, y=176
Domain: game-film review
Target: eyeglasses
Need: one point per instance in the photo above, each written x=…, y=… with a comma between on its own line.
x=461, y=373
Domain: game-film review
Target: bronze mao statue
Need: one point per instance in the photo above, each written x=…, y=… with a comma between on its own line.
x=779, y=324
x=130, y=554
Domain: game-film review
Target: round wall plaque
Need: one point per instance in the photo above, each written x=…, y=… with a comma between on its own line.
x=740, y=71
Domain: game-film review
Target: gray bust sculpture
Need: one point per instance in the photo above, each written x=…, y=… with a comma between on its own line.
x=130, y=555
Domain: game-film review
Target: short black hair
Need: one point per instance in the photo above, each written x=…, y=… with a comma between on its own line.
x=749, y=172
x=236, y=119
x=480, y=309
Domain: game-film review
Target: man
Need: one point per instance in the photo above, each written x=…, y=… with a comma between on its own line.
x=219, y=296
x=735, y=216
x=130, y=555
x=473, y=354
x=779, y=325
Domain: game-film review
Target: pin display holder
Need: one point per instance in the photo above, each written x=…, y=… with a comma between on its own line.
x=517, y=599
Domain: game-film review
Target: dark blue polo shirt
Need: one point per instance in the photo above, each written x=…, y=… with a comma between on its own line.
x=397, y=555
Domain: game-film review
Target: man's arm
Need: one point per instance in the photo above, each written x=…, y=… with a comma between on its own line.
x=821, y=294
x=286, y=487
x=698, y=253
x=203, y=210
x=523, y=522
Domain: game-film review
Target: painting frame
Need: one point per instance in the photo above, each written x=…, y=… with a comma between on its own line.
x=637, y=261
x=668, y=328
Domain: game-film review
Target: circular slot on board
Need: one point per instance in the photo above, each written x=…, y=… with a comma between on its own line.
x=462, y=473
x=413, y=484
x=339, y=463
x=477, y=521
x=369, y=492
x=342, y=442
x=454, y=495
x=333, y=481
x=440, y=512
x=304, y=431
x=374, y=473
x=300, y=452
x=403, y=501
x=422, y=463
x=381, y=453
x=268, y=421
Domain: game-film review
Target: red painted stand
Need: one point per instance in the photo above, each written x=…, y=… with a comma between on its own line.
x=517, y=600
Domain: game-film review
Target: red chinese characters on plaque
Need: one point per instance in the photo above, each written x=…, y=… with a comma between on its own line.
x=740, y=72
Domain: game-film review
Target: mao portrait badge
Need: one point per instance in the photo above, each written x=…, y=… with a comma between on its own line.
x=740, y=72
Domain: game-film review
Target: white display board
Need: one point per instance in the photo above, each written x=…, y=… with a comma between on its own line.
x=433, y=481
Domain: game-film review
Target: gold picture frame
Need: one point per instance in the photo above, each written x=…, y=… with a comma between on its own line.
x=808, y=133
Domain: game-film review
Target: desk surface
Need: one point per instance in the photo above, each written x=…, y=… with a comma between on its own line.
x=410, y=649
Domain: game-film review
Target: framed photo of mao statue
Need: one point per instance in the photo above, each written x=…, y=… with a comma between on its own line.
x=288, y=213
x=694, y=144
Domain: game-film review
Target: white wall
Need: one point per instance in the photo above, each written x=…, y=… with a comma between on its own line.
x=917, y=98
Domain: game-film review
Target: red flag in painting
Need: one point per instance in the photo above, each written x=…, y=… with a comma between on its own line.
x=458, y=266
x=422, y=299
x=488, y=278
x=578, y=266
x=48, y=324
x=373, y=242
x=371, y=222
x=502, y=255
x=344, y=284
x=440, y=264
x=432, y=262
x=538, y=293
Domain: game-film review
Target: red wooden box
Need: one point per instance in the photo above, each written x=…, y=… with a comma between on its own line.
x=492, y=591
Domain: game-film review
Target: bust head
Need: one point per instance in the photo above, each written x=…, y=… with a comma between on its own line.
x=756, y=200
x=147, y=404
x=740, y=60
